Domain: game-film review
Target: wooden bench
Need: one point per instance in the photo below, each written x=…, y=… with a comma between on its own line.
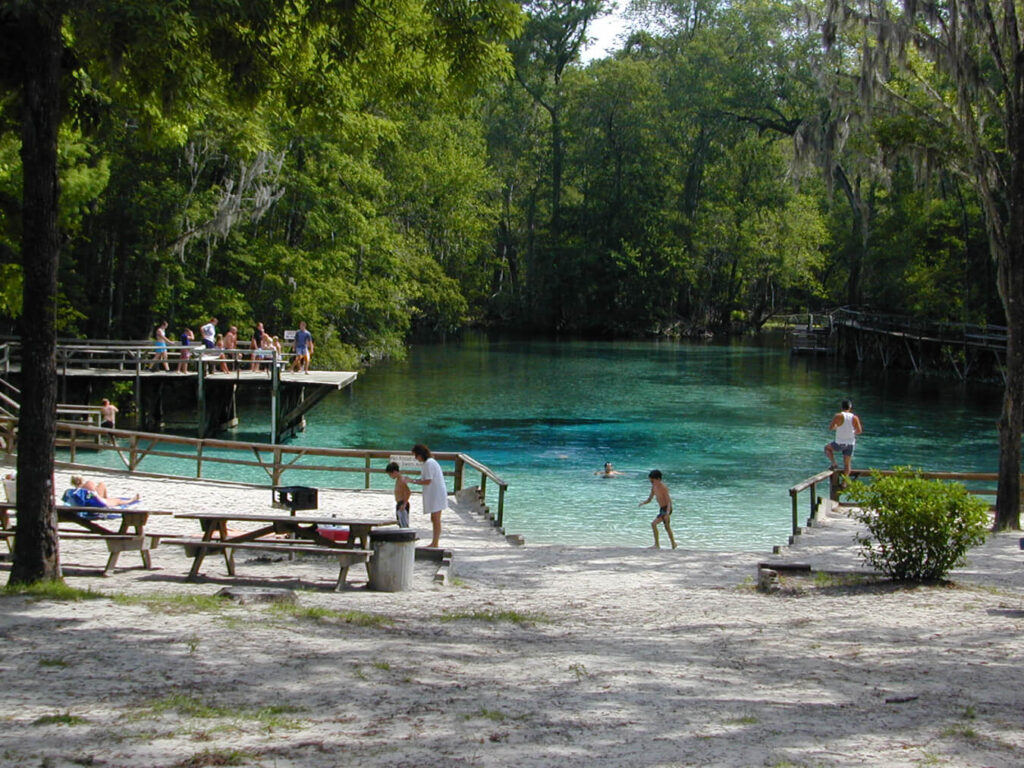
x=198, y=548
x=130, y=535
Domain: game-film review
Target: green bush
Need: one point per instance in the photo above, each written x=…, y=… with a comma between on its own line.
x=918, y=529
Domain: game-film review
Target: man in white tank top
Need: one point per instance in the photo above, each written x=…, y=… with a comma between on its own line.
x=846, y=425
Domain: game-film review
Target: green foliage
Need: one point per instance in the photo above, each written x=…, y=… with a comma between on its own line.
x=373, y=170
x=513, y=617
x=918, y=529
x=51, y=590
x=60, y=718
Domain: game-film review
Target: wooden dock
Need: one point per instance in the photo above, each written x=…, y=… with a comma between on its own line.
x=85, y=367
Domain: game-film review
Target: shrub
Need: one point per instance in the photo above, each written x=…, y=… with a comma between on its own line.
x=918, y=529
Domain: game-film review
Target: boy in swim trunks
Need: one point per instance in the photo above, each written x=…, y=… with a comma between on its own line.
x=402, y=494
x=659, y=491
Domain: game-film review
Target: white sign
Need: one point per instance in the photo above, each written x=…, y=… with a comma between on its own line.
x=289, y=335
x=405, y=461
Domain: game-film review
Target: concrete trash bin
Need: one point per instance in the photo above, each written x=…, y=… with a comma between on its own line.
x=394, y=555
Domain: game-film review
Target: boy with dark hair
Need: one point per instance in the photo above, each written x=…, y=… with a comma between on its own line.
x=402, y=494
x=660, y=491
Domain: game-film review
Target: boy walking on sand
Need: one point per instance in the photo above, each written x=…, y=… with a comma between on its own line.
x=402, y=494
x=659, y=491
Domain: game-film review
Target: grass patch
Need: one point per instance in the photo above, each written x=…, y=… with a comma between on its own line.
x=824, y=580
x=961, y=731
x=743, y=720
x=329, y=615
x=489, y=714
x=61, y=718
x=175, y=604
x=512, y=617
x=52, y=590
x=189, y=707
x=273, y=716
x=218, y=757
x=580, y=669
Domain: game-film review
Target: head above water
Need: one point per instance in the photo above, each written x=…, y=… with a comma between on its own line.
x=654, y=474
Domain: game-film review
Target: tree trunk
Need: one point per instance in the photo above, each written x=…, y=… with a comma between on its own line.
x=36, y=554
x=1011, y=421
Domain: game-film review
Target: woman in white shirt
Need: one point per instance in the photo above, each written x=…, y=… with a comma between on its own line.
x=435, y=495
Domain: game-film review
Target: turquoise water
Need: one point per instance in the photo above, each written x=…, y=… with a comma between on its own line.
x=731, y=427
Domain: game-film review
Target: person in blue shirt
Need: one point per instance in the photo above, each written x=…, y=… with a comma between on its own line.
x=303, y=348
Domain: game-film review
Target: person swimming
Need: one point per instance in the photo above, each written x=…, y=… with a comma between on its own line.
x=608, y=471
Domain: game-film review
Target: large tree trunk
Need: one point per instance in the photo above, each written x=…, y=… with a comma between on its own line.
x=36, y=554
x=1011, y=421
x=1009, y=251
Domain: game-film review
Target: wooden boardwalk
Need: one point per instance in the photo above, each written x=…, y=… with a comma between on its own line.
x=893, y=341
x=85, y=370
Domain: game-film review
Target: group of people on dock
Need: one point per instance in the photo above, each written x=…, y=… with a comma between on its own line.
x=265, y=349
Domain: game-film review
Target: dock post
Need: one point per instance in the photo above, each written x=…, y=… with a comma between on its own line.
x=275, y=381
x=201, y=395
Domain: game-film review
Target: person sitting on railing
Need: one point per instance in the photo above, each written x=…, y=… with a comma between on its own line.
x=265, y=353
x=230, y=344
x=218, y=346
x=186, y=339
x=108, y=414
x=256, y=344
x=209, y=333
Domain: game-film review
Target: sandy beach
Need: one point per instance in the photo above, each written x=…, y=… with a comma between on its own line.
x=528, y=656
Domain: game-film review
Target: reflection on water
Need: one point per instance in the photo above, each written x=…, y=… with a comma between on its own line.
x=731, y=427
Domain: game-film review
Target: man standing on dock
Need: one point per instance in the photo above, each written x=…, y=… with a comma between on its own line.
x=303, y=348
x=846, y=425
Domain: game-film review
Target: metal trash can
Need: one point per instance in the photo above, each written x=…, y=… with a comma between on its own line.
x=294, y=497
x=394, y=555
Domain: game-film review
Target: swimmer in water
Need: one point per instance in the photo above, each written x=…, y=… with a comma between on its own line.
x=608, y=471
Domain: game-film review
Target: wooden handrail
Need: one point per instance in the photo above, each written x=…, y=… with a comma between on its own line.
x=834, y=488
x=275, y=460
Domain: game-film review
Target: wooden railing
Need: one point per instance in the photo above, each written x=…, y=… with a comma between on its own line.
x=139, y=357
x=275, y=461
x=982, y=484
x=809, y=484
x=991, y=337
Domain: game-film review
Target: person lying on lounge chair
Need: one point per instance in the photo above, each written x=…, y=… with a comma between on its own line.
x=86, y=493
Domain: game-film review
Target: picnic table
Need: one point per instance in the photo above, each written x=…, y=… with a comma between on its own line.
x=129, y=536
x=302, y=534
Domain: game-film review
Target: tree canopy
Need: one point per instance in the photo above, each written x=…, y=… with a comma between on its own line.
x=380, y=169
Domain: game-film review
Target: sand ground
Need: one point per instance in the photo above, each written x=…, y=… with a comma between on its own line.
x=531, y=656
